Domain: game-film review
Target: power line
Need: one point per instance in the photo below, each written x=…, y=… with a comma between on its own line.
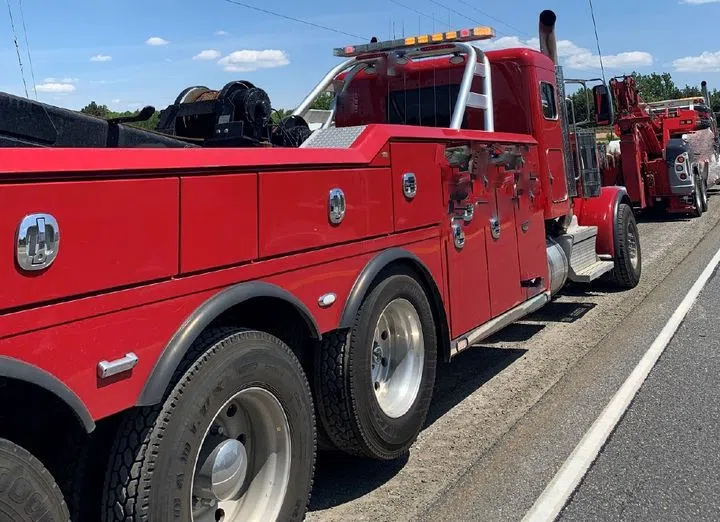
x=463, y=15
x=27, y=46
x=430, y=17
x=293, y=19
x=597, y=40
x=17, y=48
x=493, y=18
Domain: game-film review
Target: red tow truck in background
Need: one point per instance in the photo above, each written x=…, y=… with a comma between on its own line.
x=185, y=312
x=656, y=161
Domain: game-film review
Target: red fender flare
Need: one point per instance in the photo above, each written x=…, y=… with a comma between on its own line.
x=601, y=212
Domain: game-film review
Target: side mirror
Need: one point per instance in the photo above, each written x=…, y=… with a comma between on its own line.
x=604, y=114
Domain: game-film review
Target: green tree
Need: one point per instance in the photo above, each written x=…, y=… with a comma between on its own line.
x=102, y=111
x=655, y=87
x=93, y=109
x=279, y=114
x=579, y=103
x=323, y=101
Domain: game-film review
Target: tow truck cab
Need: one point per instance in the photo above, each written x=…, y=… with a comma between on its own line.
x=525, y=100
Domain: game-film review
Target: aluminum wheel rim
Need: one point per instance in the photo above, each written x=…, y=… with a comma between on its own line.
x=397, y=358
x=633, y=246
x=242, y=471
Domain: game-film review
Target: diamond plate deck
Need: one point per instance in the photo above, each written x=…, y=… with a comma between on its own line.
x=333, y=138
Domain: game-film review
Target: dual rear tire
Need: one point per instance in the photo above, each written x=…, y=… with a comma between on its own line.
x=374, y=384
x=235, y=437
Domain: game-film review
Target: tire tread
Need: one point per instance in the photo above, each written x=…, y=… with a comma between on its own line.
x=622, y=273
x=135, y=450
x=51, y=487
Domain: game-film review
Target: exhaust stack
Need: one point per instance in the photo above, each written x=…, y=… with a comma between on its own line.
x=705, y=94
x=548, y=43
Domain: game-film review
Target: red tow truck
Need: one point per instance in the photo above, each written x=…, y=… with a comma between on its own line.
x=186, y=312
x=656, y=163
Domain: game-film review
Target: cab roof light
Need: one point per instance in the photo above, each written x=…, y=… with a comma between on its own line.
x=462, y=35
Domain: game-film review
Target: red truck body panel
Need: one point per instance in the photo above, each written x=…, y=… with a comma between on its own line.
x=115, y=233
x=219, y=221
x=303, y=197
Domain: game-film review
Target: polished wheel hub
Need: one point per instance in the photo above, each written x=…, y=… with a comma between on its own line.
x=633, y=247
x=243, y=469
x=397, y=358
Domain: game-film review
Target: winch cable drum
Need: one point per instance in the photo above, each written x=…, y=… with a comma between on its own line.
x=239, y=111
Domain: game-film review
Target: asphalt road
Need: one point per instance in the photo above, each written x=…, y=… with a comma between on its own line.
x=508, y=413
x=662, y=461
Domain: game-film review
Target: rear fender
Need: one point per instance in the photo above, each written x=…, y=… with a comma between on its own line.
x=369, y=275
x=21, y=371
x=200, y=319
x=601, y=212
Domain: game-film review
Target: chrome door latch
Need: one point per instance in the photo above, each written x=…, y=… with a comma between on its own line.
x=336, y=206
x=409, y=183
x=458, y=235
x=106, y=369
x=495, y=228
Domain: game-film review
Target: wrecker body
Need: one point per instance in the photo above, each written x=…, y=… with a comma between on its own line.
x=194, y=304
x=656, y=163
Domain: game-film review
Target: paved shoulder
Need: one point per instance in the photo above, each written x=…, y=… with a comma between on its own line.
x=662, y=461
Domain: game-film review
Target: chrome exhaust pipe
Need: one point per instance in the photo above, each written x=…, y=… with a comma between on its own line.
x=548, y=43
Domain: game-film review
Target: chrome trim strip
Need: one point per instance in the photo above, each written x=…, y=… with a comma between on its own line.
x=493, y=326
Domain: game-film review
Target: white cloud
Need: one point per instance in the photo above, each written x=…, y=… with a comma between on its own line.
x=624, y=60
x=60, y=80
x=101, y=58
x=221, y=33
x=56, y=87
x=249, y=60
x=575, y=57
x=115, y=102
x=208, y=54
x=705, y=62
x=699, y=2
x=156, y=40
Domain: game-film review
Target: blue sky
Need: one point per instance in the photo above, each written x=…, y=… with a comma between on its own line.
x=131, y=53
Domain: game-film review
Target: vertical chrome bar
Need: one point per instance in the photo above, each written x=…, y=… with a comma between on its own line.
x=320, y=87
x=348, y=78
x=465, y=85
x=490, y=110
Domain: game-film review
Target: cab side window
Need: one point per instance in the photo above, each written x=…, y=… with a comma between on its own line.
x=547, y=98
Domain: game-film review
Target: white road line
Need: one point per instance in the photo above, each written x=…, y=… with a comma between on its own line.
x=552, y=500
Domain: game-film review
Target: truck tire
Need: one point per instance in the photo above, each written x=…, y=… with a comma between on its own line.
x=628, y=254
x=704, y=195
x=234, y=440
x=28, y=492
x=368, y=405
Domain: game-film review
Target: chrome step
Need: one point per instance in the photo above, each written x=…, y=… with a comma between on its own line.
x=580, y=243
x=593, y=271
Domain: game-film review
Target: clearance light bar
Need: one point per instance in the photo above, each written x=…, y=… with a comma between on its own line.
x=463, y=35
